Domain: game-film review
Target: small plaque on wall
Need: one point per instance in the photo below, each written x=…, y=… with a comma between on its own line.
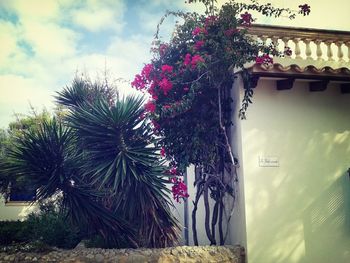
x=269, y=161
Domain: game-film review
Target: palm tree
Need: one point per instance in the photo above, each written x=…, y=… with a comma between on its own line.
x=103, y=157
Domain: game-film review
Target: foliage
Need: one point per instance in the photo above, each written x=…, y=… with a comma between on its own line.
x=51, y=227
x=8, y=137
x=119, y=158
x=12, y=232
x=189, y=81
x=102, y=158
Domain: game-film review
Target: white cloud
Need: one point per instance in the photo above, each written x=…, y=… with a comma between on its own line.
x=33, y=9
x=18, y=92
x=8, y=35
x=50, y=40
x=99, y=15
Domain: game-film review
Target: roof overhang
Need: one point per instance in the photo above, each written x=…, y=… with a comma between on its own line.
x=318, y=78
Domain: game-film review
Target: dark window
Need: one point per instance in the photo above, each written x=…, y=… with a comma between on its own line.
x=21, y=195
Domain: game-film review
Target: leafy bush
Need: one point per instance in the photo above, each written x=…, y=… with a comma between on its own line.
x=49, y=227
x=13, y=232
x=52, y=228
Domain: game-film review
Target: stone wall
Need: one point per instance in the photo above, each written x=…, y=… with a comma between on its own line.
x=184, y=254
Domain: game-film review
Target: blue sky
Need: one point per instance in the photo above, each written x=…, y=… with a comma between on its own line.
x=44, y=43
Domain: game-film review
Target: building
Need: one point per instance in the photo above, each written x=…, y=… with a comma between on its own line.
x=294, y=150
x=293, y=202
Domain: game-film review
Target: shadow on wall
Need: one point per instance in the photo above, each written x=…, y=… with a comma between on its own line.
x=298, y=212
x=329, y=211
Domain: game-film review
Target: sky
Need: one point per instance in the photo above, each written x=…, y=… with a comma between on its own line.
x=44, y=44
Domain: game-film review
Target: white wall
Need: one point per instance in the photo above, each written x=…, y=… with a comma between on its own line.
x=237, y=223
x=13, y=211
x=300, y=210
x=178, y=211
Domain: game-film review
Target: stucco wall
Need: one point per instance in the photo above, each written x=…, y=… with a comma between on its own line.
x=13, y=211
x=300, y=210
x=179, y=212
x=237, y=223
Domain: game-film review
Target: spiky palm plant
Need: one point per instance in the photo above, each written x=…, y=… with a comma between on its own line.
x=102, y=157
x=121, y=157
x=49, y=158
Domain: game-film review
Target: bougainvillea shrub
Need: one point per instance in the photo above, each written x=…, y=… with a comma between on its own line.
x=188, y=84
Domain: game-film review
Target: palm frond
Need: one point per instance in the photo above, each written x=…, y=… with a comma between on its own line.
x=120, y=156
x=48, y=157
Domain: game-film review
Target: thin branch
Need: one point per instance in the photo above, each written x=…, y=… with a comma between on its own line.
x=227, y=143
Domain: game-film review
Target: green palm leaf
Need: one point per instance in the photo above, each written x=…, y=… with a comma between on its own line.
x=117, y=145
x=50, y=159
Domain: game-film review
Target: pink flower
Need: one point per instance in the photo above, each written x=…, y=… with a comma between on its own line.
x=179, y=190
x=138, y=82
x=230, y=32
x=199, y=30
x=187, y=60
x=264, y=59
x=186, y=89
x=150, y=106
x=196, y=31
x=195, y=60
x=165, y=85
x=162, y=152
x=167, y=68
x=146, y=71
x=166, y=106
x=173, y=171
x=210, y=20
x=199, y=44
x=246, y=19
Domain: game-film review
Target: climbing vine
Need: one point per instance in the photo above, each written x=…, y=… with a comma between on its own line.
x=189, y=82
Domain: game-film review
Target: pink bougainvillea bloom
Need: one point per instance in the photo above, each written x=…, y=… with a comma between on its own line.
x=146, y=71
x=173, y=171
x=210, y=20
x=162, y=152
x=199, y=30
x=150, y=106
x=154, y=96
x=138, y=82
x=186, y=88
x=304, y=9
x=196, y=31
x=230, y=32
x=165, y=85
x=167, y=68
x=179, y=190
x=246, y=19
x=195, y=60
x=166, y=106
x=187, y=60
x=264, y=59
x=198, y=45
